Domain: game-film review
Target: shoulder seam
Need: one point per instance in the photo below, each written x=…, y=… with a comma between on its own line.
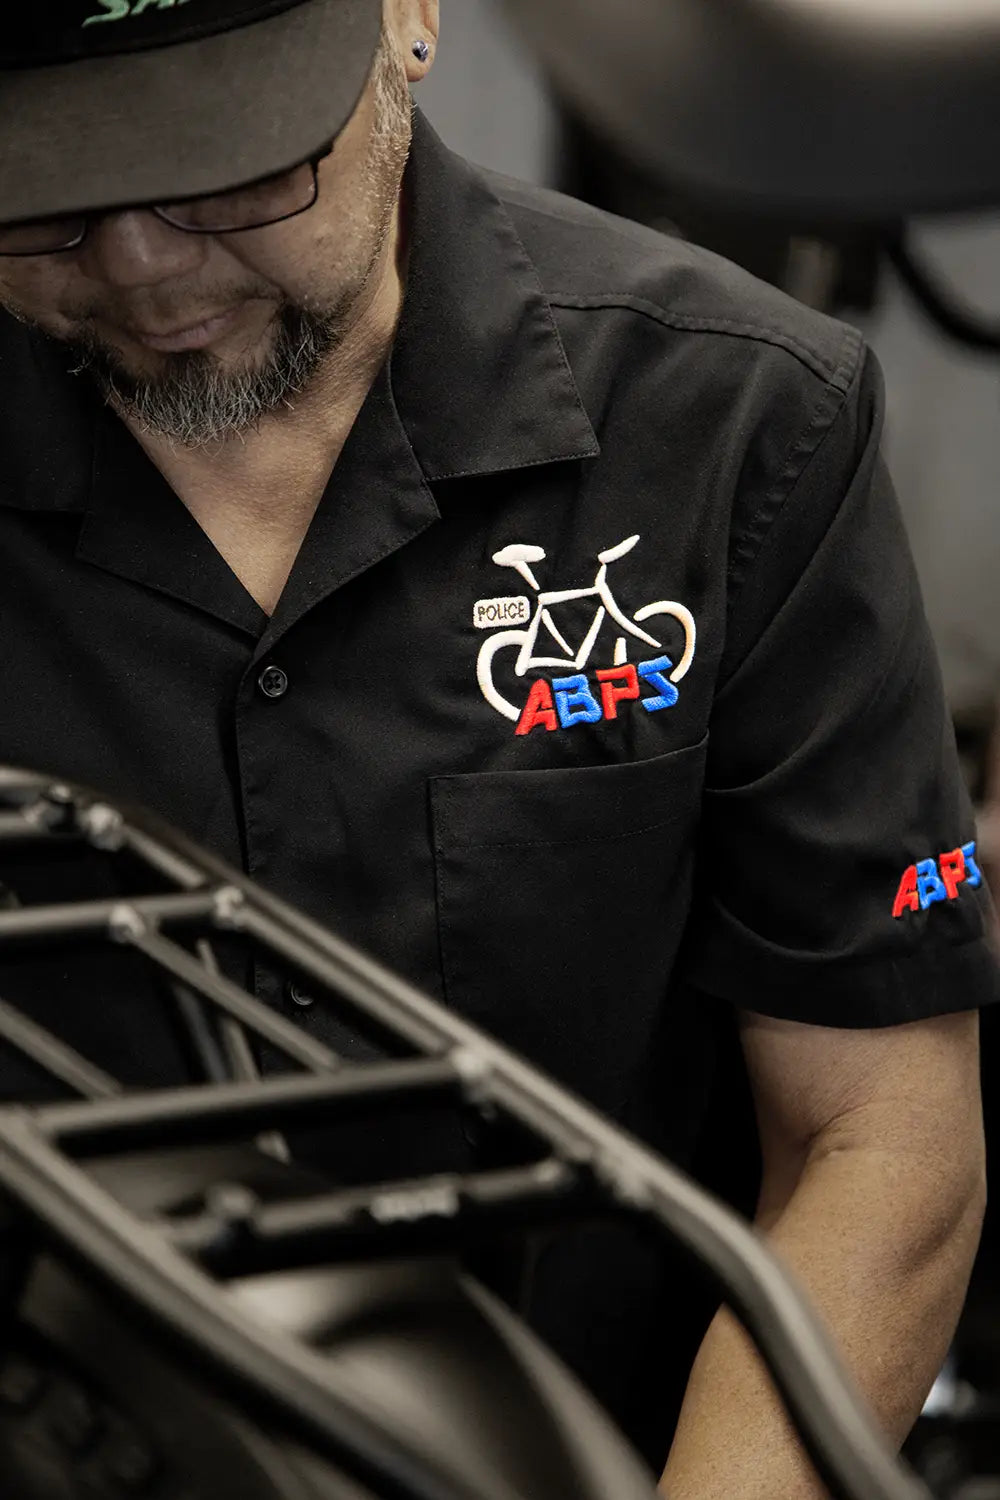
x=745, y=546
x=840, y=375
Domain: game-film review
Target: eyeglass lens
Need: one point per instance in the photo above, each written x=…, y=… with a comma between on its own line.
x=245, y=208
x=251, y=207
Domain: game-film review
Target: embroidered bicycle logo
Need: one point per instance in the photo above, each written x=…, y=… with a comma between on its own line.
x=567, y=701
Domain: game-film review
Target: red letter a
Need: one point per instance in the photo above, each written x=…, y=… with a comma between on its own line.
x=908, y=897
x=539, y=709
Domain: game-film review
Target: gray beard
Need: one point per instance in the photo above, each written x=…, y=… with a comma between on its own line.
x=196, y=402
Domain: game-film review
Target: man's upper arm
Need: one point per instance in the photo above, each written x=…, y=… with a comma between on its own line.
x=910, y=1092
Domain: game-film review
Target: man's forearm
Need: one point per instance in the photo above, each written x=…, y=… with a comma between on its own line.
x=886, y=1259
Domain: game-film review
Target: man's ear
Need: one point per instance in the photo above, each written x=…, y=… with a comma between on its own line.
x=417, y=21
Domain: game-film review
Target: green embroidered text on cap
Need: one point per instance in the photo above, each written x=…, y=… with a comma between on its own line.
x=121, y=10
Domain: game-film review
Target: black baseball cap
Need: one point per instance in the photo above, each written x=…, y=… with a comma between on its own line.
x=111, y=102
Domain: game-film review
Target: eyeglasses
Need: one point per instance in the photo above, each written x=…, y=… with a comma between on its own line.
x=270, y=200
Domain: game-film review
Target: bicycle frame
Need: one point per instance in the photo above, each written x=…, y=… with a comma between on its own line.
x=168, y=1270
x=609, y=606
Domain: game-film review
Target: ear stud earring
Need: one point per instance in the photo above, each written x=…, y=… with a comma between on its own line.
x=421, y=51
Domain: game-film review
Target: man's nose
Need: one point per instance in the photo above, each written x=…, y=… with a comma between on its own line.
x=136, y=248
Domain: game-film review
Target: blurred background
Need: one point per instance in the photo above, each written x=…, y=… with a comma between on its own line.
x=493, y=98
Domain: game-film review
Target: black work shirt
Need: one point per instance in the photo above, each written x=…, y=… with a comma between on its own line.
x=600, y=691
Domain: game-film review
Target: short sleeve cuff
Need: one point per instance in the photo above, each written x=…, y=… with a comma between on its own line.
x=854, y=995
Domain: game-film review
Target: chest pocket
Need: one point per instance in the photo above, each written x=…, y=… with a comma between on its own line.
x=562, y=895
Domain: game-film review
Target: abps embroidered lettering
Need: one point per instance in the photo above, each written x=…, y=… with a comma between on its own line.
x=568, y=701
x=932, y=880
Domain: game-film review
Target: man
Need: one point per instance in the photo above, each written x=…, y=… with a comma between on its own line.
x=520, y=593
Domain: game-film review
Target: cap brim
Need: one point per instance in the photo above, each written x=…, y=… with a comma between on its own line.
x=178, y=121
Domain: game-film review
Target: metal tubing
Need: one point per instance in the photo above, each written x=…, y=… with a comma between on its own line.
x=55, y=1057
x=94, y=918
x=203, y=1113
x=354, y=981
x=167, y=862
x=285, y=1035
x=16, y=828
x=394, y=1220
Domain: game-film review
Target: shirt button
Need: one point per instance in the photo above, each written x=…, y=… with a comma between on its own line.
x=273, y=682
x=299, y=997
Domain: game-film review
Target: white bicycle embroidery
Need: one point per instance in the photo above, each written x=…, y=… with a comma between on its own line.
x=520, y=558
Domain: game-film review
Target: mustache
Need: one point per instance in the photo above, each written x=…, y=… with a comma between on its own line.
x=163, y=308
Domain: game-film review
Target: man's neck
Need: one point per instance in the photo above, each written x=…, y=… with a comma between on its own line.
x=255, y=494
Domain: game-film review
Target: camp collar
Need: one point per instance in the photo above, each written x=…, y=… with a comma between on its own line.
x=479, y=372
